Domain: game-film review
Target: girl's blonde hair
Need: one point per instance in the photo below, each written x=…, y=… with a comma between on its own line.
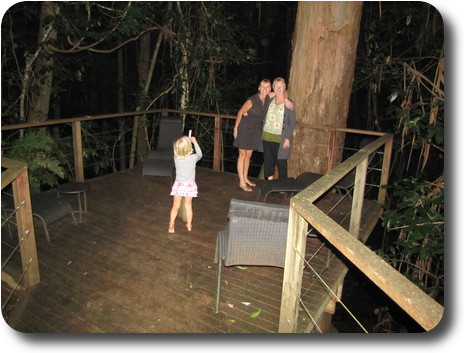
x=182, y=147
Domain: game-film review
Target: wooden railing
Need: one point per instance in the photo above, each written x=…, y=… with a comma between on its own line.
x=77, y=133
x=16, y=174
x=303, y=212
x=218, y=150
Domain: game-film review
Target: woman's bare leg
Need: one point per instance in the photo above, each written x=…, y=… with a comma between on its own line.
x=241, y=167
x=246, y=167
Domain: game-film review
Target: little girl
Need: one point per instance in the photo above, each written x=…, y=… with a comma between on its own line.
x=185, y=185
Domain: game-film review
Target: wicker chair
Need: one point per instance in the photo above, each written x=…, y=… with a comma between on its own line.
x=256, y=235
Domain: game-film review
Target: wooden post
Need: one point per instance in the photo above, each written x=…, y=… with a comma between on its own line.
x=77, y=144
x=418, y=304
x=330, y=150
x=324, y=323
x=26, y=232
x=385, y=170
x=217, y=143
x=293, y=272
x=358, y=198
x=331, y=306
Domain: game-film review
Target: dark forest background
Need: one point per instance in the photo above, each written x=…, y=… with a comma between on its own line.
x=255, y=38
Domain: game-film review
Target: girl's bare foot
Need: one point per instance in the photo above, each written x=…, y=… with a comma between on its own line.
x=171, y=228
x=189, y=227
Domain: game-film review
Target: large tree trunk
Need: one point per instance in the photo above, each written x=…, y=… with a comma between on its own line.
x=40, y=97
x=321, y=76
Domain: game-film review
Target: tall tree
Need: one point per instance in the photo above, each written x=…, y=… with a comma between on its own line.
x=321, y=76
x=38, y=72
x=146, y=63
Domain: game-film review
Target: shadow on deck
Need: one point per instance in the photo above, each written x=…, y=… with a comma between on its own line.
x=120, y=271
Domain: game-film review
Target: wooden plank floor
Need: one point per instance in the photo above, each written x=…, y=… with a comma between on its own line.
x=120, y=271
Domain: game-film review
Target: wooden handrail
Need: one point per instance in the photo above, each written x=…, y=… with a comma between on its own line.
x=77, y=138
x=13, y=170
x=217, y=158
x=322, y=185
x=302, y=212
x=109, y=116
x=421, y=307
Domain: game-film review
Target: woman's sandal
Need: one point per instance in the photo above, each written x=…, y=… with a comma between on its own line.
x=250, y=183
x=171, y=228
x=245, y=188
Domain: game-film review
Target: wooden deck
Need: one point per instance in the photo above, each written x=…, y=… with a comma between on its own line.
x=120, y=271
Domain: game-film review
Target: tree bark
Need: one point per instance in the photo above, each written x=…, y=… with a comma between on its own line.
x=40, y=97
x=321, y=77
x=145, y=78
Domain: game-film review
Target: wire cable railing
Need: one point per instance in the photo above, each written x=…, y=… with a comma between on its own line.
x=15, y=173
x=332, y=293
x=304, y=212
x=217, y=133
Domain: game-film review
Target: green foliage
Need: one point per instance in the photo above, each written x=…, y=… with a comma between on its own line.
x=399, y=89
x=399, y=69
x=97, y=141
x=45, y=163
x=416, y=221
x=217, y=44
x=96, y=22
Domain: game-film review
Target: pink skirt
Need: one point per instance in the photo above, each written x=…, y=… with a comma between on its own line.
x=184, y=189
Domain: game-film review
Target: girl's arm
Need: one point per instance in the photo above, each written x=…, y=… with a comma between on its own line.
x=197, y=150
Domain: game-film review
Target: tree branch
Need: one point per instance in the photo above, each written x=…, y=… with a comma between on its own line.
x=91, y=48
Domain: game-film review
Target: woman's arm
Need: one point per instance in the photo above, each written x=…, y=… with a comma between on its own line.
x=245, y=107
x=291, y=117
x=288, y=102
x=291, y=122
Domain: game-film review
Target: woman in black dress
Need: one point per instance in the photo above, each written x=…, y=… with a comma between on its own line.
x=248, y=129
